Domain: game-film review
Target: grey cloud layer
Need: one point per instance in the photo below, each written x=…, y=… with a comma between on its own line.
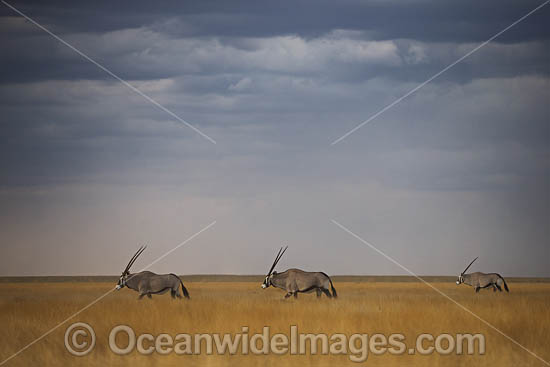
x=274, y=85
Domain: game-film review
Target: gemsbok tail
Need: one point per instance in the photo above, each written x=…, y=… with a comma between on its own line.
x=183, y=289
x=334, y=294
x=505, y=285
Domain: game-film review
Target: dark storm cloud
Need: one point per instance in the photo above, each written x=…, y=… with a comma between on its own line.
x=442, y=21
x=235, y=25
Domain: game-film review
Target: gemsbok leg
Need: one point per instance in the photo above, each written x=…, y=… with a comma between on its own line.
x=327, y=293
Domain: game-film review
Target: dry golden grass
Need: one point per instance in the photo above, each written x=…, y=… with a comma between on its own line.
x=27, y=310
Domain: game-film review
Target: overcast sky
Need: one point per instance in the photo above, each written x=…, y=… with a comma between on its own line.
x=90, y=170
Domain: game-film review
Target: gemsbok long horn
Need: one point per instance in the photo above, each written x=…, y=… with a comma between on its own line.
x=277, y=258
x=468, y=267
x=133, y=259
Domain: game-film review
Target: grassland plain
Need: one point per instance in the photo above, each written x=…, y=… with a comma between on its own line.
x=226, y=304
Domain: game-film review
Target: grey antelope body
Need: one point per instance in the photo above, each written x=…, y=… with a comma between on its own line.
x=481, y=280
x=295, y=281
x=147, y=283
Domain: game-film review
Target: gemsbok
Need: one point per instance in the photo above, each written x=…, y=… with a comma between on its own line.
x=295, y=281
x=481, y=280
x=147, y=283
